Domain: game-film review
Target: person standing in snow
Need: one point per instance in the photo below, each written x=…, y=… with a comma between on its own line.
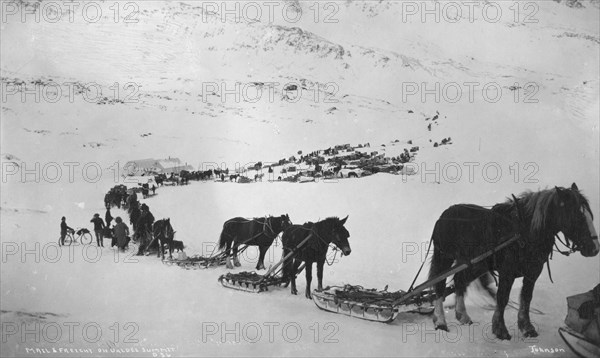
x=98, y=229
x=63, y=230
x=108, y=217
x=134, y=216
x=121, y=233
x=144, y=226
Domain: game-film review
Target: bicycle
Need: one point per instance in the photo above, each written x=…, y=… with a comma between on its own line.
x=83, y=235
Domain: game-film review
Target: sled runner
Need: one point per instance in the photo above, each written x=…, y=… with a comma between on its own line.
x=371, y=304
x=253, y=282
x=384, y=306
x=198, y=262
x=582, y=331
x=578, y=343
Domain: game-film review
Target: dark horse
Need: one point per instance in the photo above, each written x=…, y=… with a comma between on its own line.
x=259, y=232
x=465, y=231
x=163, y=233
x=322, y=233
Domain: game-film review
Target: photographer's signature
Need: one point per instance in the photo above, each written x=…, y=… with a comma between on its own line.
x=536, y=350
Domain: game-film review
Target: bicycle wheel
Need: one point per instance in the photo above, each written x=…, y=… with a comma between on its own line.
x=68, y=239
x=86, y=238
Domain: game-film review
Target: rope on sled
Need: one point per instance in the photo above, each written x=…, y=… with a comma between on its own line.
x=361, y=295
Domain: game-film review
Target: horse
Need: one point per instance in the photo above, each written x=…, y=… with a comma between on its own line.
x=163, y=233
x=322, y=233
x=185, y=177
x=259, y=232
x=159, y=179
x=114, y=197
x=464, y=231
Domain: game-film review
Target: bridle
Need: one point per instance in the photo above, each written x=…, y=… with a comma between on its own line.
x=330, y=244
x=570, y=244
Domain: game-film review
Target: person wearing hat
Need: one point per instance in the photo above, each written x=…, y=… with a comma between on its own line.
x=98, y=229
x=144, y=227
x=121, y=233
x=63, y=230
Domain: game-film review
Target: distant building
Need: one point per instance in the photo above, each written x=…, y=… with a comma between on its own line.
x=173, y=165
x=155, y=166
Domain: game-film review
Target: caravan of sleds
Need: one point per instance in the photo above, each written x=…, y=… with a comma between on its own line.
x=512, y=239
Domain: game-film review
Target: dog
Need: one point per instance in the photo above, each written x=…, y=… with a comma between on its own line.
x=178, y=245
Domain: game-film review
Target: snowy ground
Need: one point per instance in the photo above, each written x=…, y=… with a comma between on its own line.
x=54, y=299
x=190, y=312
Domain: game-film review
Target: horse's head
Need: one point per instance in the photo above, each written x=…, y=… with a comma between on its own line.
x=340, y=235
x=163, y=227
x=169, y=232
x=575, y=221
x=285, y=222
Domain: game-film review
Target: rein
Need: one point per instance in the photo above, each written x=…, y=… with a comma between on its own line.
x=265, y=224
x=564, y=253
x=328, y=244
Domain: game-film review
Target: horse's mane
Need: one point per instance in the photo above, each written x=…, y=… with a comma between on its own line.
x=329, y=221
x=324, y=223
x=538, y=205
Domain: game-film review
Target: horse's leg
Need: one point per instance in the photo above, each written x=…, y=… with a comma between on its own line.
x=236, y=260
x=461, y=282
x=261, y=264
x=308, y=269
x=524, y=322
x=320, y=264
x=296, y=265
x=438, y=265
x=504, y=287
x=228, y=254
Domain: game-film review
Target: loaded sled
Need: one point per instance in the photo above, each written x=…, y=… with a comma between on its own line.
x=384, y=306
x=582, y=331
x=197, y=262
x=253, y=282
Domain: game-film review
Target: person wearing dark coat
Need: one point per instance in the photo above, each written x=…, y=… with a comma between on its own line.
x=98, y=229
x=108, y=217
x=63, y=230
x=144, y=228
x=134, y=216
x=121, y=234
x=145, y=190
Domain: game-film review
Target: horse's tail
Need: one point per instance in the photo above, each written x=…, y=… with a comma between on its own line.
x=436, y=263
x=442, y=257
x=224, y=239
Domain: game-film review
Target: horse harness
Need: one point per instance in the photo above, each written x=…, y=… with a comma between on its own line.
x=265, y=225
x=313, y=232
x=520, y=237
